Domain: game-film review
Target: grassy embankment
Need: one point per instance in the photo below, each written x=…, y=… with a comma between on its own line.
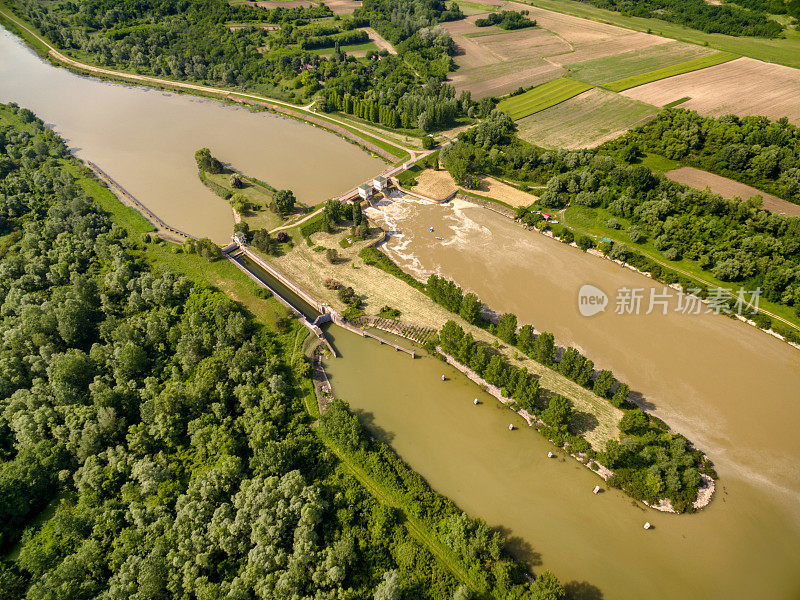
x=593, y=222
x=542, y=97
x=685, y=67
x=783, y=51
x=309, y=268
x=260, y=216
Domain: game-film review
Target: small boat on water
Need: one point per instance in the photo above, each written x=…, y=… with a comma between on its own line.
x=550, y=455
x=475, y=402
x=647, y=525
x=596, y=489
x=511, y=427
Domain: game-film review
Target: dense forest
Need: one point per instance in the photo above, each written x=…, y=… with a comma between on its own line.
x=730, y=19
x=153, y=440
x=735, y=241
x=273, y=51
x=773, y=7
x=753, y=150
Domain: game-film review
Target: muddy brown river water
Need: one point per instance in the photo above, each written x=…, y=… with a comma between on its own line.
x=730, y=388
x=146, y=140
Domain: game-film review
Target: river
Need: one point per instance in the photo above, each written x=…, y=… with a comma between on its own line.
x=146, y=139
x=730, y=388
x=742, y=545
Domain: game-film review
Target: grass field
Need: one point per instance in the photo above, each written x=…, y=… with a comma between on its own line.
x=474, y=8
x=784, y=51
x=585, y=121
x=352, y=49
x=635, y=62
x=542, y=97
x=658, y=163
x=685, y=67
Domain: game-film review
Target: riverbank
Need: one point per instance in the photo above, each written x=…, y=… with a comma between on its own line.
x=312, y=271
x=386, y=150
x=305, y=267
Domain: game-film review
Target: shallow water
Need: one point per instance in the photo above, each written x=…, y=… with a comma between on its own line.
x=146, y=139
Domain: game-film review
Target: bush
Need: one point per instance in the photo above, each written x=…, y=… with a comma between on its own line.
x=387, y=312
x=206, y=162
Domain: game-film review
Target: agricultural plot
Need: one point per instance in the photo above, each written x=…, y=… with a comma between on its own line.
x=542, y=97
x=635, y=62
x=587, y=40
x=494, y=62
x=497, y=62
x=477, y=8
x=728, y=188
x=743, y=87
x=585, y=121
x=342, y=7
x=704, y=62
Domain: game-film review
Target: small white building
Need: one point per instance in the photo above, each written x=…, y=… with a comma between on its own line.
x=379, y=183
x=365, y=191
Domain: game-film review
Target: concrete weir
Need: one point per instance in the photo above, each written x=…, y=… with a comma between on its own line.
x=234, y=251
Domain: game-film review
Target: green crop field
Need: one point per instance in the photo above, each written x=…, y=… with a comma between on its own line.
x=474, y=8
x=599, y=71
x=684, y=67
x=585, y=121
x=542, y=97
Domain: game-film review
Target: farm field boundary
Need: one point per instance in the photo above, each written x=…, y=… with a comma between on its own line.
x=782, y=51
x=679, y=69
x=542, y=97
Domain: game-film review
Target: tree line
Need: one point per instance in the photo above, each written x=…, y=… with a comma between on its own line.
x=729, y=18
x=194, y=42
x=507, y=19
x=753, y=150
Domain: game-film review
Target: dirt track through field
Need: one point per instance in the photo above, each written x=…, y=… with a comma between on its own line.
x=729, y=188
